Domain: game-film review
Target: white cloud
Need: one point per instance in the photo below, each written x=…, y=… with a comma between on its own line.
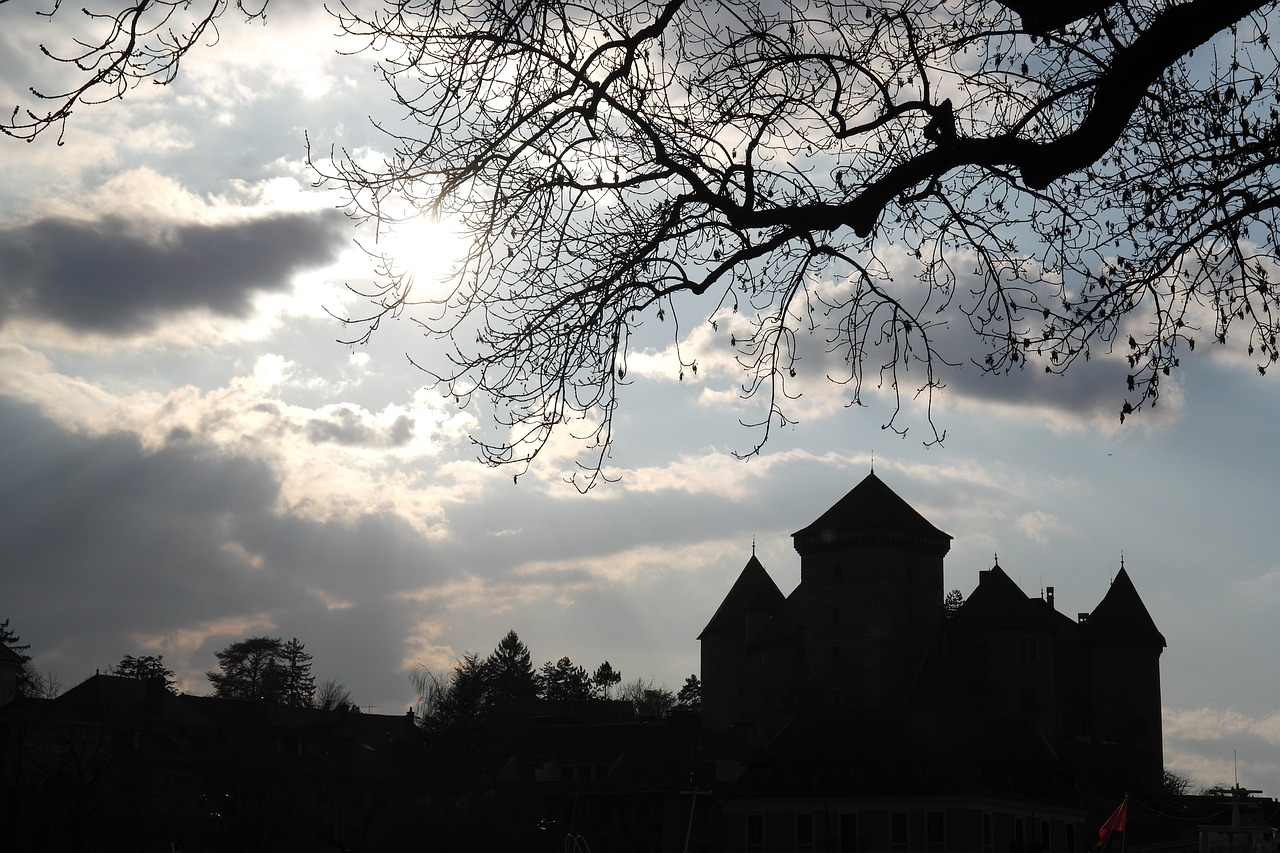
x=30, y=376
x=627, y=566
x=336, y=462
x=422, y=649
x=716, y=473
x=180, y=647
x=1220, y=745
x=1219, y=724
x=1042, y=526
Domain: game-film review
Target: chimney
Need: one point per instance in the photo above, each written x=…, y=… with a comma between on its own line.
x=1048, y=592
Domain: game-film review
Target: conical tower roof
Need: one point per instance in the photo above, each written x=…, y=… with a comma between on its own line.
x=871, y=514
x=1122, y=617
x=753, y=592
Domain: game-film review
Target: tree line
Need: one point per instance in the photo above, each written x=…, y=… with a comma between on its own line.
x=476, y=688
x=276, y=670
x=263, y=668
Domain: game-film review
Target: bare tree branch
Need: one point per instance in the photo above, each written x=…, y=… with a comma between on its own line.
x=1065, y=181
x=611, y=162
x=144, y=41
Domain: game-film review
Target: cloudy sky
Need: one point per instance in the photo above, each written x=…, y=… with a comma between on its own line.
x=191, y=457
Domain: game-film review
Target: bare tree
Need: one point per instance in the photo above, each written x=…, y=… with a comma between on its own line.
x=332, y=695
x=864, y=172
x=44, y=685
x=648, y=699
x=1065, y=179
x=430, y=690
x=1175, y=783
x=133, y=41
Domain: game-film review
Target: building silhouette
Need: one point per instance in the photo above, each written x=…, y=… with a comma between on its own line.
x=885, y=721
x=854, y=633
x=857, y=713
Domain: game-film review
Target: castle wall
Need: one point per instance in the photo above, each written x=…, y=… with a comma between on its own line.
x=871, y=615
x=722, y=680
x=1124, y=708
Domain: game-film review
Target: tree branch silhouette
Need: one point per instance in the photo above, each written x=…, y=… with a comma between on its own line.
x=1095, y=178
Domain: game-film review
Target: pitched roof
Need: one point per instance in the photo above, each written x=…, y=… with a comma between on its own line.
x=9, y=656
x=998, y=601
x=753, y=592
x=1122, y=616
x=118, y=697
x=870, y=513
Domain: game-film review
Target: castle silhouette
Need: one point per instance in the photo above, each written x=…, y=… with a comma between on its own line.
x=858, y=713
x=999, y=723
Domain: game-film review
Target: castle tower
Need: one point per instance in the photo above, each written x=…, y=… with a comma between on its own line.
x=1123, y=647
x=751, y=604
x=870, y=595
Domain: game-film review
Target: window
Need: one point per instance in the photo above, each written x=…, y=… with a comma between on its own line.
x=804, y=833
x=848, y=833
x=935, y=830
x=755, y=833
x=835, y=615
x=988, y=834
x=1019, y=830
x=898, y=835
x=835, y=654
x=1028, y=651
x=1029, y=699
x=1071, y=838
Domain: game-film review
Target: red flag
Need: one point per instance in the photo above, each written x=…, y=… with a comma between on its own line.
x=1115, y=823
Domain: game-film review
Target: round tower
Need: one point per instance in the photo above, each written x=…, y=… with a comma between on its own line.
x=1123, y=648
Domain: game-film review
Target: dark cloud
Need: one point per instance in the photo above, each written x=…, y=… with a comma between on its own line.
x=115, y=276
x=104, y=544
x=98, y=535
x=347, y=427
x=1088, y=388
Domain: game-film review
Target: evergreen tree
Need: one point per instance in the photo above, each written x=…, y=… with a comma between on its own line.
x=465, y=701
x=690, y=695
x=951, y=603
x=565, y=681
x=511, y=675
x=146, y=667
x=10, y=638
x=603, y=680
x=298, y=687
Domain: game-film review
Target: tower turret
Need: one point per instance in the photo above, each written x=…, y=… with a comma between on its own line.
x=870, y=594
x=1123, y=647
